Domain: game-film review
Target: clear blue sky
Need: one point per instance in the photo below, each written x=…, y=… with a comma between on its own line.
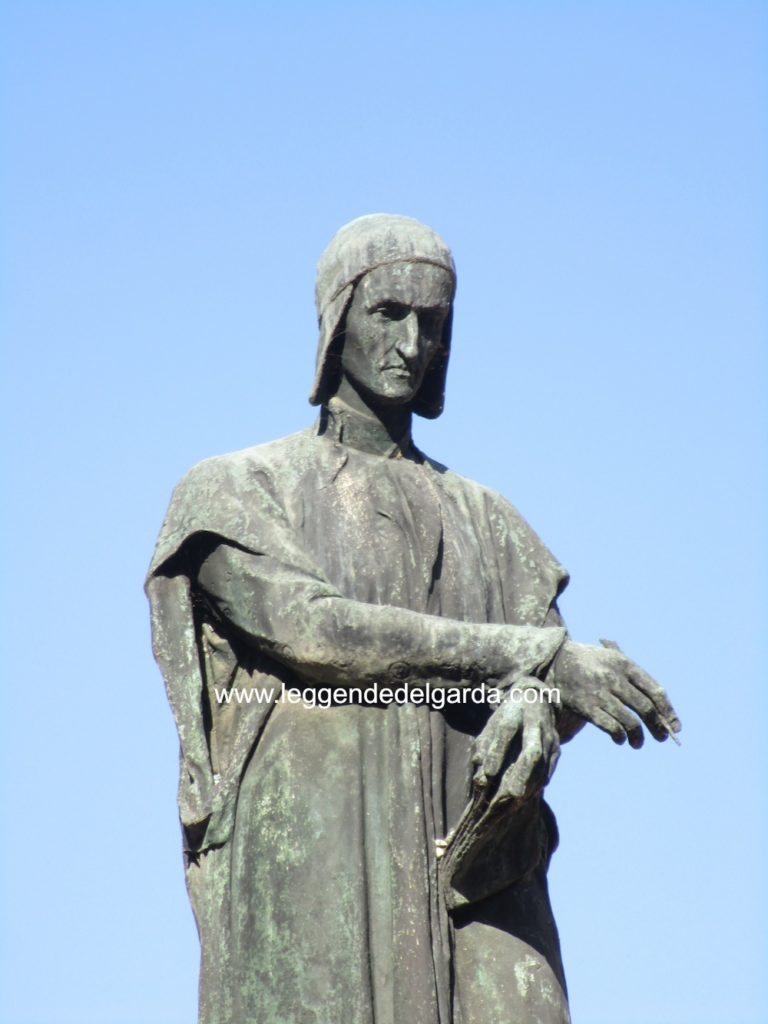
x=171, y=172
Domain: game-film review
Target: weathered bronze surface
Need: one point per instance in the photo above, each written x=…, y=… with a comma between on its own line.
x=356, y=856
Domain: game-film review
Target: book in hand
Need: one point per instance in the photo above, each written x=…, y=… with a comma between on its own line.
x=496, y=843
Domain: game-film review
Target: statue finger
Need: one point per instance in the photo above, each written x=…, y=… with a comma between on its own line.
x=497, y=752
x=526, y=775
x=552, y=760
x=629, y=722
x=531, y=757
x=491, y=749
x=648, y=685
x=633, y=697
x=551, y=750
x=637, y=701
x=644, y=706
x=607, y=723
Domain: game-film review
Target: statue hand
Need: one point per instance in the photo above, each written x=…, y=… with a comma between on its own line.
x=604, y=686
x=520, y=744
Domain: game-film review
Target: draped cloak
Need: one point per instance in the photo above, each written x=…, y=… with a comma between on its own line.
x=309, y=832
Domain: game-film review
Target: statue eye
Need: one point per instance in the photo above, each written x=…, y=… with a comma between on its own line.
x=432, y=323
x=392, y=311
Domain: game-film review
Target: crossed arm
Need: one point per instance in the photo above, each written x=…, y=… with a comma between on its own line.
x=325, y=637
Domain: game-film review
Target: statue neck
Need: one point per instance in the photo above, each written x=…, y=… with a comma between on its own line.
x=365, y=431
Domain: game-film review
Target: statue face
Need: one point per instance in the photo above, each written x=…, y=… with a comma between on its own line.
x=394, y=328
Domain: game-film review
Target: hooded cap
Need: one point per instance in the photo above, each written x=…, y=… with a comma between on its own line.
x=376, y=240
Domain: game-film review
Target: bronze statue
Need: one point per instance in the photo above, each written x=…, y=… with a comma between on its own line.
x=361, y=650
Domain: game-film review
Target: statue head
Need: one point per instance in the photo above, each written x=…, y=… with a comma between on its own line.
x=398, y=261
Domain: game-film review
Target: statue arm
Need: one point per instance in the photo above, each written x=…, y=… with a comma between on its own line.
x=303, y=622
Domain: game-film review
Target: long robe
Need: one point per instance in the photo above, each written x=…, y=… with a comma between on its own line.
x=310, y=832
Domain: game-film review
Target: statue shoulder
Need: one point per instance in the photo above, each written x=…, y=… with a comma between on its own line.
x=227, y=494
x=239, y=468
x=509, y=528
x=471, y=491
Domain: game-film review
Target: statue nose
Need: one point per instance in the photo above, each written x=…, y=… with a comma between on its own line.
x=408, y=342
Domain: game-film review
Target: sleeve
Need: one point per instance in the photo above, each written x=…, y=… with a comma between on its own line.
x=302, y=621
x=232, y=499
x=568, y=722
